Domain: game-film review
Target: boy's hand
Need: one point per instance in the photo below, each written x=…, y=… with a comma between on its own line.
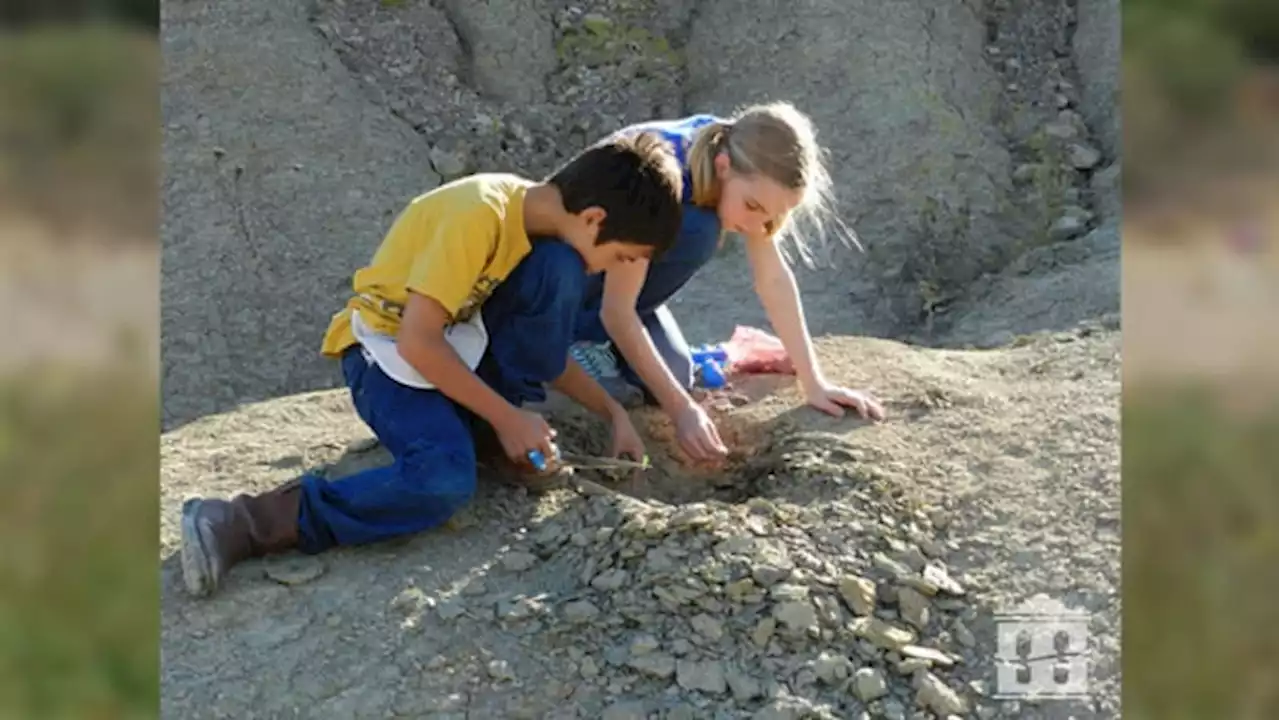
x=524, y=431
x=626, y=440
x=833, y=399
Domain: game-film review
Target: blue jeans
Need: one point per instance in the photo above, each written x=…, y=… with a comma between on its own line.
x=529, y=318
x=696, y=245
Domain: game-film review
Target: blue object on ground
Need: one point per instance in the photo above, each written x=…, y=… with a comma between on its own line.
x=709, y=360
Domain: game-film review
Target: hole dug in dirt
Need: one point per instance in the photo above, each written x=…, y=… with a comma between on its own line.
x=776, y=449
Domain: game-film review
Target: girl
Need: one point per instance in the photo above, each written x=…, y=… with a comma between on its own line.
x=749, y=175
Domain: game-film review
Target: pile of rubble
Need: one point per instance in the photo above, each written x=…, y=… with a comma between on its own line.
x=761, y=610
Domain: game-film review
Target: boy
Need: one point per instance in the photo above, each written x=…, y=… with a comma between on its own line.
x=460, y=318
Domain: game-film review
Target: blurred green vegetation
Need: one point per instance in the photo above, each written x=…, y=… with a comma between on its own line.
x=1199, y=558
x=79, y=593
x=79, y=124
x=1185, y=63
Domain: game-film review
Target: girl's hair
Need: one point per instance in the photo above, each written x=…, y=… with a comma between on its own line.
x=778, y=141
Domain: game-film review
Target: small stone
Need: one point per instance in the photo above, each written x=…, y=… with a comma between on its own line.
x=858, y=593
x=933, y=657
x=893, y=710
x=913, y=607
x=588, y=667
x=1068, y=227
x=914, y=558
x=610, y=580
x=831, y=668
x=704, y=676
x=869, y=684
x=1025, y=173
x=475, y=587
x=911, y=665
x=933, y=548
x=1061, y=130
x=933, y=694
x=500, y=670
x=626, y=710
x=889, y=566
x=789, y=593
x=580, y=611
x=798, y=615
x=657, y=665
x=683, y=711
x=1084, y=157
x=519, y=561
x=448, y=164
x=410, y=601
x=291, y=570
x=763, y=631
x=707, y=626
x=451, y=609
x=521, y=608
x=937, y=576
x=785, y=708
x=770, y=575
x=881, y=633
x=744, y=687
x=962, y=634
x=643, y=644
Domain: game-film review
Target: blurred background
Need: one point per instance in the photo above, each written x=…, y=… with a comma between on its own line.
x=79, y=400
x=79, y=160
x=1200, y=366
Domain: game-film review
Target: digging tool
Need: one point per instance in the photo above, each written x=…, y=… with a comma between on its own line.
x=586, y=462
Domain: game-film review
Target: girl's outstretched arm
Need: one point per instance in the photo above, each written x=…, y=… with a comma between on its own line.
x=775, y=285
x=695, y=431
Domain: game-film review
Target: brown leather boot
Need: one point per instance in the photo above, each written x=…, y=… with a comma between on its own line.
x=217, y=534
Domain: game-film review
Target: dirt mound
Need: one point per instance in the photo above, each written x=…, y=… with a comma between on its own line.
x=833, y=568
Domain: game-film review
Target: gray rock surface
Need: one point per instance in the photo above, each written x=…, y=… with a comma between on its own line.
x=293, y=136
x=1096, y=47
x=279, y=178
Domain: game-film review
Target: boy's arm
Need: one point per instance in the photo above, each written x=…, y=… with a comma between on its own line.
x=578, y=384
x=422, y=344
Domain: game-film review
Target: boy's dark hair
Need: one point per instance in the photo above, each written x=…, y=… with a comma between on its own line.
x=636, y=180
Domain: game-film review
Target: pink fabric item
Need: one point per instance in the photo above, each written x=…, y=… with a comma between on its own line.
x=752, y=351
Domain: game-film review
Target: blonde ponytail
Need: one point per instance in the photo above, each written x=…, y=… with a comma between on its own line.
x=707, y=143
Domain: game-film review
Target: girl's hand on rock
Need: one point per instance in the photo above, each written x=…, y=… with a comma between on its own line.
x=833, y=399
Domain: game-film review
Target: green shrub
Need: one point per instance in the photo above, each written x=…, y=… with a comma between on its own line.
x=79, y=600
x=1199, y=559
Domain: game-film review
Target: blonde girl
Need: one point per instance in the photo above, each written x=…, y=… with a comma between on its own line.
x=753, y=174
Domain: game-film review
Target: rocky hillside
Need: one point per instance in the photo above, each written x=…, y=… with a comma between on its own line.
x=961, y=135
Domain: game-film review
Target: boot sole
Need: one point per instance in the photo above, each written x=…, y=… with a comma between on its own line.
x=197, y=571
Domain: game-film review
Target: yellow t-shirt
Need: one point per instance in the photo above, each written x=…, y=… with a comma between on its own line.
x=455, y=244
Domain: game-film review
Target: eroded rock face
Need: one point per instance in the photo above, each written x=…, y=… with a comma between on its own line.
x=904, y=100
x=293, y=136
x=279, y=176
x=1097, y=56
